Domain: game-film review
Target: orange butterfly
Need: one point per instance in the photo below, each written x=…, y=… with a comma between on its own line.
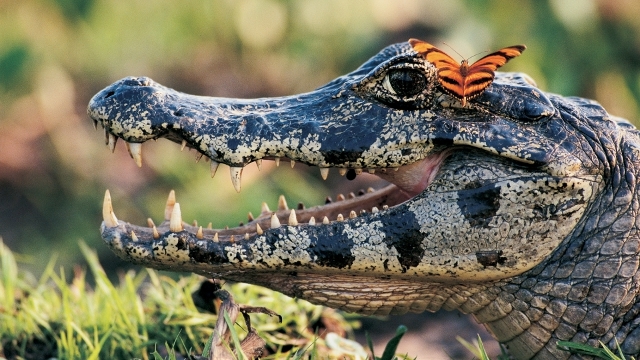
x=465, y=81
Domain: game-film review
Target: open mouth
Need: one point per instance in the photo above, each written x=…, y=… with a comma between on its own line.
x=406, y=182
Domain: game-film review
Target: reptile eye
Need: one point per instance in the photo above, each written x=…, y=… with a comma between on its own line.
x=405, y=82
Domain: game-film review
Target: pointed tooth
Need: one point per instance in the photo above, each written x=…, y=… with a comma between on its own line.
x=340, y=197
x=168, y=208
x=351, y=195
x=277, y=160
x=275, y=222
x=370, y=190
x=342, y=171
x=246, y=236
x=232, y=239
x=325, y=220
x=385, y=207
x=215, y=238
x=293, y=220
x=134, y=237
x=340, y=217
x=226, y=227
x=112, y=142
x=265, y=209
x=371, y=171
x=200, y=234
x=183, y=145
x=324, y=172
x=95, y=124
x=213, y=167
x=236, y=175
x=374, y=210
x=396, y=168
x=150, y=222
x=175, y=223
x=259, y=164
x=135, y=150
x=312, y=221
x=108, y=215
x=250, y=217
x=194, y=223
x=358, y=171
x=156, y=234
x=210, y=226
x=353, y=215
x=282, y=203
x=199, y=156
x=259, y=229
x=293, y=163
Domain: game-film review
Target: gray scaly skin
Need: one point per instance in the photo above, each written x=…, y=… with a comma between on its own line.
x=519, y=208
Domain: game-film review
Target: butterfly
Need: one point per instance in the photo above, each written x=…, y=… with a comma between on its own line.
x=464, y=81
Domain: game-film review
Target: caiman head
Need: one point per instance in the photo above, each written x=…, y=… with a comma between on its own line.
x=515, y=208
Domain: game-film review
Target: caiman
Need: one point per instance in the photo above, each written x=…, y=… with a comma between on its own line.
x=519, y=207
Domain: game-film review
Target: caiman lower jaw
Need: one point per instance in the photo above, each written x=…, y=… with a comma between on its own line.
x=407, y=181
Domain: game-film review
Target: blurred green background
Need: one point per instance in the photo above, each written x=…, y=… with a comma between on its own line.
x=55, y=54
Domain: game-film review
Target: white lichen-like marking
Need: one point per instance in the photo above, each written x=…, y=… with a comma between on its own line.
x=369, y=250
x=168, y=250
x=291, y=247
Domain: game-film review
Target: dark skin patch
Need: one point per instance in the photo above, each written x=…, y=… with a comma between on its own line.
x=490, y=257
x=479, y=205
x=407, y=242
x=332, y=249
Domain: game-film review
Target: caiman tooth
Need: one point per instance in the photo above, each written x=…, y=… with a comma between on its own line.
x=275, y=222
x=351, y=195
x=213, y=167
x=342, y=171
x=198, y=157
x=200, y=234
x=325, y=220
x=264, y=209
x=277, y=160
x=134, y=237
x=236, y=175
x=371, y=171
x=353, y=215
x=324, y=172
x=374, y=210
x=312, y=221
x=385, y=207
x=156, y=234
x=194, y=223
x=396, y=168
x=259, y=164
x=108, y=215
x=282, y=203
x=175, y=223
x=340, y=197
x=246, y=236
x=112, y=142
x=293, y=220
x=340, y=217
x=150, y=222
x=259, y=229
x=358, y=171
x=232, y=239
x=370, y=190
x=250, y=217
x=215, y=238
x=168, y=208
x=135, y=150
x=183, y=145
x=293, y=163
x=210, y=226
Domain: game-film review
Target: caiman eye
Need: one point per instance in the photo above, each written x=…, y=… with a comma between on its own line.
x=405, y=82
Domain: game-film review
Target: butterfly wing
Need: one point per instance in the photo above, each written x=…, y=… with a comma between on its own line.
x=449, y=74
x=482, y=72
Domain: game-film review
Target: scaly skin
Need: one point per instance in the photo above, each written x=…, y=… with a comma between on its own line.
x=519, y=208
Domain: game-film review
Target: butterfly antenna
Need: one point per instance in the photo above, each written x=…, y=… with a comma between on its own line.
x=462, y=57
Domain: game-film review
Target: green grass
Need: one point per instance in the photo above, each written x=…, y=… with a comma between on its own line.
x=147, y=315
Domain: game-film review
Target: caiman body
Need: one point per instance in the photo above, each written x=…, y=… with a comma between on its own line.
x=519, y=208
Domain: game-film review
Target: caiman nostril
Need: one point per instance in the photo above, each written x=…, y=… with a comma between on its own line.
x=109, y=94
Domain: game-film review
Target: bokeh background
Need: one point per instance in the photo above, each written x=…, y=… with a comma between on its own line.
x=55, y=54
